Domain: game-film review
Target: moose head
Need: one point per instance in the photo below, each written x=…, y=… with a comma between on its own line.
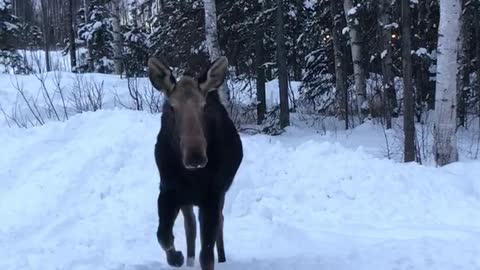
x=186, y=107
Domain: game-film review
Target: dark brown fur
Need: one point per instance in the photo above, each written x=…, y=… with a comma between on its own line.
x=198, y=152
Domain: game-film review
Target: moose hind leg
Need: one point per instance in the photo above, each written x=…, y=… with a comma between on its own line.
x=190, y=232
x=220, y=245
x=167, y=213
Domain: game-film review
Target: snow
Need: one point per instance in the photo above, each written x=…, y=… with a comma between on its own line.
x=421, y=51
x=391, y=26
x=352, y=11
x=96, y=25
x=81, y=194
x=309, y=4
x=10, y=26
x=383, y=54
x=115, y=92
x=3, y=4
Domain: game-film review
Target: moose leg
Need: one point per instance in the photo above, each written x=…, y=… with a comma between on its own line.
x=208, y=231
x=167, y=213
x=190, y=232
x=220, y=246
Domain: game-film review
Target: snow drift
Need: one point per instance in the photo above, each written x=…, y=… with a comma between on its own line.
x=81, y=194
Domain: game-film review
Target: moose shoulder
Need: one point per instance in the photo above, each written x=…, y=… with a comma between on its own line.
x=198, y=152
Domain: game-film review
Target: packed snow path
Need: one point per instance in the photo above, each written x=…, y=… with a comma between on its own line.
x=82, y=195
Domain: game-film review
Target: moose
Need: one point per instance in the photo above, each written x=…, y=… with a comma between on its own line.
x=198, y=152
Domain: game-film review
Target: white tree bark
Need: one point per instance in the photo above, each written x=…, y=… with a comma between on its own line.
x=445, y=142
x=359, y=72
x=211, y=32
x=117, y=37
x=213, y=47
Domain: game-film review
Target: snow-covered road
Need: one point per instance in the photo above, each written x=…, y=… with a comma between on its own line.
x=82, y=195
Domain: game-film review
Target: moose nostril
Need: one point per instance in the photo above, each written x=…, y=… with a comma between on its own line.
x=195, y=162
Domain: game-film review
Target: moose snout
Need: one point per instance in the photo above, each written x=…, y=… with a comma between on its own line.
x=195, y=160
x=194, y=152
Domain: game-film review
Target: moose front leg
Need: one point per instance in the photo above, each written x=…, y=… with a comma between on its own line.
x=209, y=224
x=190, y=232
x=167, y=213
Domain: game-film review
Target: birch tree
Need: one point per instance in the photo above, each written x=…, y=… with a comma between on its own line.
x=211, y=36
x=445, y=142
x=358, y=70
x=408, y=97
x=117, y=37
x=211, y=32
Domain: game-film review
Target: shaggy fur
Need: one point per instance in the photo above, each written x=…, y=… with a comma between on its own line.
x=205, y=187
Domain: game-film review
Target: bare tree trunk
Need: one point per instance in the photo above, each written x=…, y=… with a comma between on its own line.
x=463, y=80
x=282, y=68
x=358, y=70
x=340, y=78
x=71, y=32
x=477, y=35
x=211, y=36
x=211, y=32
x=408, y=97
x=422, y=83
x=86, y=4
x=46, y=34
x=117, y=38
x=260, y=72
x=445, y=142
x=389, y=96
x=159, y=7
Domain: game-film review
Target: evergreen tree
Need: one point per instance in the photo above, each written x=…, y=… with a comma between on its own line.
x=178, y=35
x=98, y=34
x=135, y=50
x=317, y=82
x=9, y=35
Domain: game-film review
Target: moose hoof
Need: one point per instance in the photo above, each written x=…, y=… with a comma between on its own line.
x=175, y=258
x=190, y=261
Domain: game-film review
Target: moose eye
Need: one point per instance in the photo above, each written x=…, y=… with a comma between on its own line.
x=170, y=108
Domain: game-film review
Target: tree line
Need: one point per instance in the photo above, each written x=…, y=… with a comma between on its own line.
x=355, y=59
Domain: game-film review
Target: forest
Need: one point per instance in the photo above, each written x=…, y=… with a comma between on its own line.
x=295, y=134
x=352, y=60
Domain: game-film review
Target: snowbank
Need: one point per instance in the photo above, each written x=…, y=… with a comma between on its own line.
x=115, y=92
x=81, y=194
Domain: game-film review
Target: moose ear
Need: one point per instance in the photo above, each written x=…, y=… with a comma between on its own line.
x=215, y=75
x=160, y=76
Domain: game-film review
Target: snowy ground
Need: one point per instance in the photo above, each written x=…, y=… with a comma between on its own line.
x=81, y=194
